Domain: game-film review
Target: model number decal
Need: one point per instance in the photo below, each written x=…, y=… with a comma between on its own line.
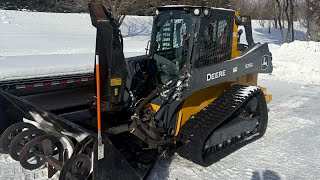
x=216, y=75
x=250, y=65
x=235, y=69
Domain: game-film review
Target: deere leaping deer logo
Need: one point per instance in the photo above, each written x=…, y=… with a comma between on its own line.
x=265, y=62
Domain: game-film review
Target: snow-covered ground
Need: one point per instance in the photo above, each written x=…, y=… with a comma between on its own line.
x=33, y=44
x=44, y=44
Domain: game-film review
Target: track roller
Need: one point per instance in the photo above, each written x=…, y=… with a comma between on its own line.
x=78, y=167
x=20, y=140
x=9, y=134
x=33, y=155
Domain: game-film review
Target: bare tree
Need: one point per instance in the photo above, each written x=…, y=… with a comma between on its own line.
x=313, y=19
x=279, y=16
x=117, y=9
x=289, y=11
x=292, y=13
x=269, y=13
x=286, y=11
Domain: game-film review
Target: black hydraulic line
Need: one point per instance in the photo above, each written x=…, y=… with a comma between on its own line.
x=147, y=99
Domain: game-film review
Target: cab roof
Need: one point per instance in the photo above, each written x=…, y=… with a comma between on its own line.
x=189, y=7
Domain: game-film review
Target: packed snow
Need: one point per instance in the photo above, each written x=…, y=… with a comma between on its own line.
x=35, y=44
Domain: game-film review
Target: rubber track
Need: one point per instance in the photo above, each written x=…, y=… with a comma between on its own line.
x=199, y=127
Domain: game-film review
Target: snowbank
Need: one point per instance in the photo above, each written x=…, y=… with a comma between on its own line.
x=36, y=44
x=13, y=67
x=296, y=62
x=38, y=33
x=34, y=33
x=20, y=67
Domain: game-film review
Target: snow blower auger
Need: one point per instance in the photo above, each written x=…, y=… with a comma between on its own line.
x=194, y=92
x=37, y=137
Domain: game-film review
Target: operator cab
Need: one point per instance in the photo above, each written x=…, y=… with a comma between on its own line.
x=186, y=37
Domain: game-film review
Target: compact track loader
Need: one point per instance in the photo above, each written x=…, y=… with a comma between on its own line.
x=195, y=93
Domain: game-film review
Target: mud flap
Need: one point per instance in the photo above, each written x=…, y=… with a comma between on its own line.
x=113, y=166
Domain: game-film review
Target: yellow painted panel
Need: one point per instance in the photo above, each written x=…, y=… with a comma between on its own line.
x=235, y=53
x=153, y=107
x=197, y=101
x=267, y=96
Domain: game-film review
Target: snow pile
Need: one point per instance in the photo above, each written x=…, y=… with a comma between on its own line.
x=20, y=67
x=15, y=67
x=296, y=62
x=34, y=33
x=37, y=44
x=39, y=33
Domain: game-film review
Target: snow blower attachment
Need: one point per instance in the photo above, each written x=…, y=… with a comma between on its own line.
x=37, y=137
x=194, y=93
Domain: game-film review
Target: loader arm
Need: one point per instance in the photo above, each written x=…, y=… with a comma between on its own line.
x=113, y=74
x=109, y=52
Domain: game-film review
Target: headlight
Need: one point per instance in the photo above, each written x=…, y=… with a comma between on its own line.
x=206, y=12
x=196, y=12
x=157, y=12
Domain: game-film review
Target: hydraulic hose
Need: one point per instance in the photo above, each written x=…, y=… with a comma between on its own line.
x=146, y=100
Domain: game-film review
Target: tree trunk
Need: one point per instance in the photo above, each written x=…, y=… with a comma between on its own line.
x=269, y=23
x=120, y=20
x=280, y=19
x=292, y=19
x=313, y=20
x=288, y=20
x=274, y=14
x=275, y=23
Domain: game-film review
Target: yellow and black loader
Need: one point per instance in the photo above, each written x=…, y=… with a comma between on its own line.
x=194, y=92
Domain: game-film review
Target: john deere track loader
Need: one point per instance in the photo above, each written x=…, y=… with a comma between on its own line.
x=195, y=93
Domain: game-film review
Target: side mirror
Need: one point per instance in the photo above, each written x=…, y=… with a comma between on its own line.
x=245, y=19
x=240, y=32
x=148, y=48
